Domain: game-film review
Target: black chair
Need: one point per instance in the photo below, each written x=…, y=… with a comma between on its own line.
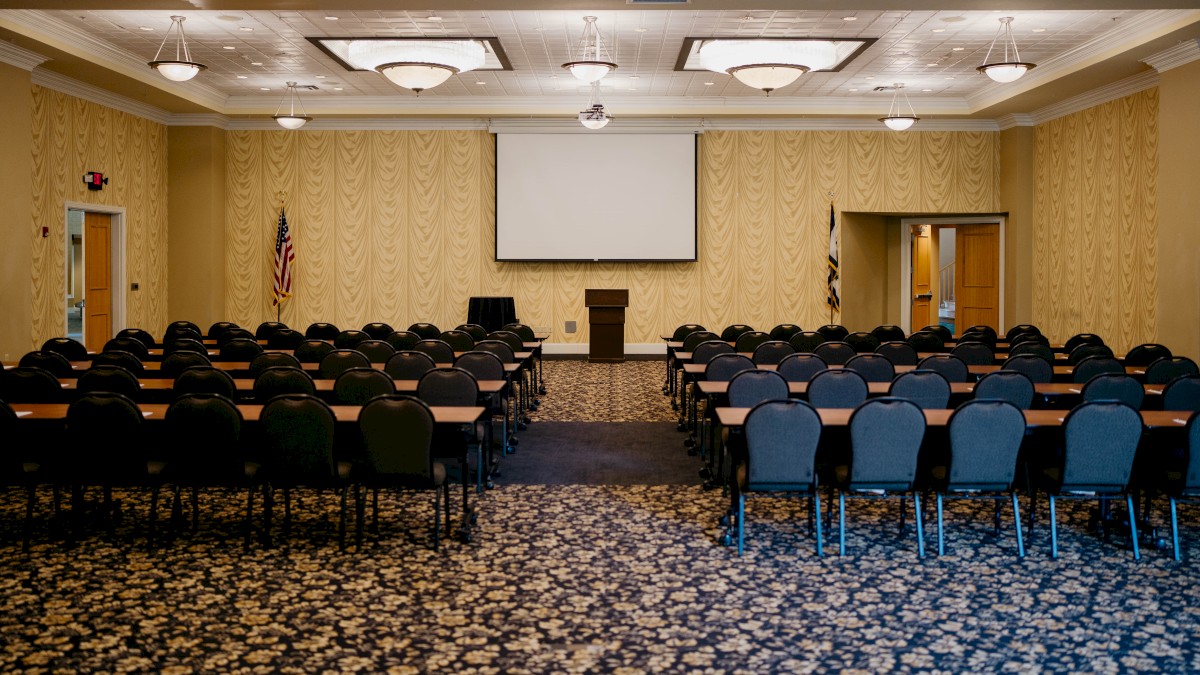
x=926, y=341
x=833, y=332
x=980, y=337
x=349, y=339
x=322, y=331
x=1186, y=487
x=312, y=351
x=1114, y=387
x=56, y=363
x=356, y=386
x=125, y=360
x=800, y=367
x=184, y=325
x=806, y=342
x=1182, y=393
x=487, y=366
x=1012, y=386
x=899, y=353
x=268, y=328
x=184, y=345
x=230, y=334
x=985, y=439
x=427, y=331
x=29, y=384
x=785, y=331
x=17, y=463
x=451, y=386
x=437, y=350
x=218, y=329
x=174, y=365
x=990, y=332
x=693, y=339
x=521, y=330
x=706, y=351
x=509, y=338
x=129, y=345
x=285, y=338
x=940, y=331
x=1035, y=349
x=1021, y=329
x=458, y=340
x=377, y=351
x=1163, y=371
x=837, y=388
x=950, y=366
x=272, y=360
x=409, y=365
x=1029, y=338
x=339, y=361
x=1087, y=351
x=1102, y=438
x=378, y=330
x=835, y=353
x=750, y=340
x=1095, y=365
x=279, y=380
x=140, y=335
x=888, y=333
x=501, y=349
x=734, y=331
x=1081, y=339
x=205, y=380
x=781, y=448
x=179, y=331
x=403, y=340
x=885, y=438
x=863, y=343
x=296, y=434
x=748, y=388
x=397, y=433
x=113, y=379
x=240, y=349
x=873, y=367
x=685, y=330
x=1145, y=354
x=772, y=352
x=927, y=388
x=974, y=353
x=478, y=332
x=71, y=350
x=722, y=367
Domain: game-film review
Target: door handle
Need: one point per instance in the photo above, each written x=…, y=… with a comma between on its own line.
x=923, y=296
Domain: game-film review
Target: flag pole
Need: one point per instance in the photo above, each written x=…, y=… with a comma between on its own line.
x=831, y=195
x=279, y=195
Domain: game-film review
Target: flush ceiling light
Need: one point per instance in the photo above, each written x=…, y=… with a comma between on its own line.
x=896, y=120
x=417, y=64
x=1011, y=68
x=290, y=120
x=182, y=68
x=594, y=61
x=767, y=64
x=595, y=117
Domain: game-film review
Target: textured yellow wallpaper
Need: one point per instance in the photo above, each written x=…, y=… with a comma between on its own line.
x=1095, y=266
x=397, y=226
x=70, y=137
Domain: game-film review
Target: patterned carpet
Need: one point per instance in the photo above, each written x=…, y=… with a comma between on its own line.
x=574, y=579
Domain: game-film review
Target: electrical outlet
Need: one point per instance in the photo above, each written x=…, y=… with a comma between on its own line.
x=569, y=326
x=133, y=286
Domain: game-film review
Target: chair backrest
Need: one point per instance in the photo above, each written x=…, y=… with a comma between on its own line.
x=873, y=367
x=184, y=345
x=833, y=332
x=378, y=330
x=781, y=445
x=448, y=386
x=885, y=437
x=986, y=330
x=29, y=384
x=113, y=379
x=321, y=331
x=174, y=332
x=1034, y=338
x=1095, y=365
x=1035, y=349
x=356, y=386
x=296, y=434
x=1021, y=329
x=397, y=433
x=403, y=340
x=127, y=344
x=685, y=330
x=104, y=440
x=837, y=388
x=1101, y=440
x=459, y=341
x=1013, y=386
x=271, y=360
x=1191, y=477
x=929, y=389
x=172, y=366
x=483, y=365
x=1115, y=387
x=478, y=332
x=835, y=353
x=734, y=331
x=230, y=334
x=1081, y=339
x=863, y=343
x=500, y=349
x=785, y=331
x=349, y=339
x=312, y=351
x=1182, y=393
x=56, y=363
x=509, y=338
x=771, y=352
x=1087, y=351
x=706, y=351
x=926, y=341
x=285, y=338
x=278, y=380
x=437, y=350
x=427, y=331
x=140, y=335
x=950, y=366
x=985, y=437
x=888, y=333
x=750, y=340
x=524, y=332
x=696, y=337
x=204, y=380
x=184, y=325
x=748, y=388
x=899, y=353
x=409, y=365
x=988, y=339
x=268, y=328
x=806, y=342
x=1145, y=354
x=974, y=353
x=1163, y=371
x=722, y=367
x=1037, y=369
x=377, y=351
x=939, y=330
x=125, y=360
x=203, y=437
x=800, y=367
x=240, y=349
x=217, y=329
x=339, y=361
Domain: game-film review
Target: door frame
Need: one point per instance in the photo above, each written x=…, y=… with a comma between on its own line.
x=116, y=254
x=906, y=260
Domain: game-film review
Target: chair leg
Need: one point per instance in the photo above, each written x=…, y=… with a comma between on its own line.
x=841, y=524
x=741, y=522
x=30, y=502
x=249, y=525
x=816, y=504
x=920, y=525
x=902, y=510
x=287, y=515
x=375, y=511
x=446, y=498
x=1133, y=535
x=268, y=507
x=1016, y=507
x=195, y=508
x=996, y=520
x=437, y=521
x=360, y=515
x=1174, y=529
x=153, y=518
x=342, y=521
x=941, y=526
x=1053, y=530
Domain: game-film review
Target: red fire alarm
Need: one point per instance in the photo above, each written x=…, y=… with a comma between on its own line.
x=95, y=180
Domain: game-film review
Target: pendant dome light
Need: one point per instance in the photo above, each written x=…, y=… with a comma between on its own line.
x=767, y=64
x=595, y=117
x=182, y=68
x=594, y=60
x=418, y=64
x=290, y=120
x=896, y=120
x=1012, y=67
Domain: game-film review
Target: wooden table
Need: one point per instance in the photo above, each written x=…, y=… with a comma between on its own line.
x=956, y=388
x=840, y=417
x=250, y=412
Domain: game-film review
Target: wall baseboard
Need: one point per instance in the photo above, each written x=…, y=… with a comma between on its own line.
x=631, y=348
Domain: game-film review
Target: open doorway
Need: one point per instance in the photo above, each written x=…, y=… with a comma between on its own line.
x=94, y=308
x=953, y=273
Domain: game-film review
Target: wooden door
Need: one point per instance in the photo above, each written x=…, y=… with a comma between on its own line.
x=97, y=306
x=977, y=278
x=922, y=291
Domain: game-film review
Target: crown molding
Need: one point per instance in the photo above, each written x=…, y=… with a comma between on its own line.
x=1183, y=53
x=841, y=124
x=1014, y=120
x=20, y=57
x=72, y=87
x=1095, y=97
x=365, y=124
x=199, y=120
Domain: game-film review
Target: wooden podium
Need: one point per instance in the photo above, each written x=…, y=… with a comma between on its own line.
x=606, y=322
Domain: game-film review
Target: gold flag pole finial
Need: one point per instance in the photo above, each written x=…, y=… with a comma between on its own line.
x=280, y=195
x=831, y=194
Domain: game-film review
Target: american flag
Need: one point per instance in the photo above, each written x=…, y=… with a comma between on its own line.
x=285, y=256
x=834, y=283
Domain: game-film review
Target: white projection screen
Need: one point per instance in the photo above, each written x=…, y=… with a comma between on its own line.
x=595, y=197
